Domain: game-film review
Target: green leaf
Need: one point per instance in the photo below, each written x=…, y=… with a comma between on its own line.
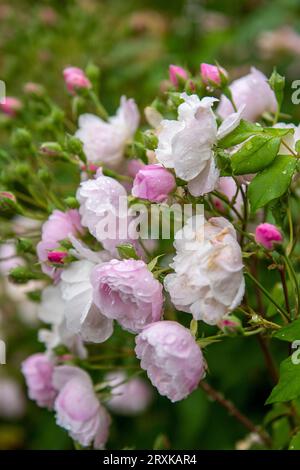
x=151, y=265
x=288, y=387
x=127, y=251
x=255, y=155
x=290, y=332
x=242, y=132
x=278, y=411
x=272, y=182
x=295, y=442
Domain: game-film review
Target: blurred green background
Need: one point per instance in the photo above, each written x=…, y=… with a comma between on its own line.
x=133, y=42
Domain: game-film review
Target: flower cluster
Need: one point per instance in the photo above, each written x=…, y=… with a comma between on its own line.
x=116, y=299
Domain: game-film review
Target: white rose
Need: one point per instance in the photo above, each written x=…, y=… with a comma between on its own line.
x=104, y=142
x=187, y=143
x=208, y=280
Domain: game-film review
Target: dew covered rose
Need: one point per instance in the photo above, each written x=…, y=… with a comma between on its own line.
x=126, y=291
x=251, y=91
x=102, y=202
x=78, y=409
x=171, y=357
x=38, y=371
x=208, y=280
x=186, y=144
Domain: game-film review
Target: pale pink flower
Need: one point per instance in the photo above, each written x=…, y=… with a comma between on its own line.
x=267, y=235
x=105, y=141
x=176, y=72
x=171, y=357
x=75, y=79
x=58, y=227
x=129, y=396
x=127, y=292
x=78, y=409
x=102, y=201
x=38, y=371
x=10, y=105
x=252, y=91
x=154, y=183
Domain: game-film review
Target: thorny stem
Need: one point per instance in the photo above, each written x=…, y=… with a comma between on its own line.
x=235, y=412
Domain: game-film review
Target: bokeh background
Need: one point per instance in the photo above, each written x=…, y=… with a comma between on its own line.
x=133, y=42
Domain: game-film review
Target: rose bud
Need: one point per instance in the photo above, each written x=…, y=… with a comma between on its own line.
x=267, y=235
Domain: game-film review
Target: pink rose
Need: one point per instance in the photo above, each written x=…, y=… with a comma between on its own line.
x=267, y=234
x=126, y=291
x=153, y=182
x=171, y=357
x=38, y=370
x=77, y=407
x=129, y=396
x=58, y=227
x=175, y=72
x=10, y=106
x=75, y=79
x=210, y=73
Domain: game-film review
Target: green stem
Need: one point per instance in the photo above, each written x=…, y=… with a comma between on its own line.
x=266, y=293
x=293, y=276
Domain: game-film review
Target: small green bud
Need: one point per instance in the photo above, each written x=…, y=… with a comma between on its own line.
x=231, y=325
x=24, y=245
x=8, y=203
x=75, y=146
x=150, y=140
x=44, y=175
x=71, y=202
x=51, y=149
x=21, y=275
x=92, y=72
x=22, y=169
x=21, y=138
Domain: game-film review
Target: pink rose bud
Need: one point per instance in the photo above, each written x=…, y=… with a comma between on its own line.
x=171, y=357
x=230, y=325
x=31, y=88
x=175, y=73
x=58, y=227
x=38, y=370
x=267, y=235
x=210, y=74
x=153, y=182
x=10, y=106
x=7, y=195
x=75, y=79
x=57, y=257
x=77, y=407
x=126, y=291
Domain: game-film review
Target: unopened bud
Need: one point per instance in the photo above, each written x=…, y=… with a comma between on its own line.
x=231, y=325
x=21, y=138
x=51, y=149
x=21, y=275
x=57, y=257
